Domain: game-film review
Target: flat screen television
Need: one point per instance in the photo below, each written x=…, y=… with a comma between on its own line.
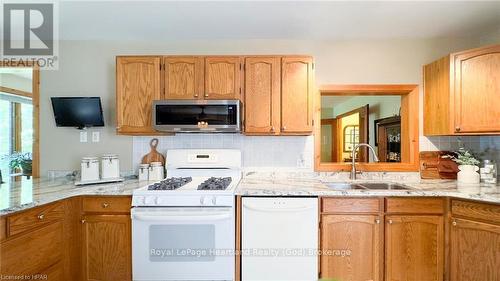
x=79, y=112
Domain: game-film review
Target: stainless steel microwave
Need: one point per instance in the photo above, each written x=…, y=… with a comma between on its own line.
x=197, y=116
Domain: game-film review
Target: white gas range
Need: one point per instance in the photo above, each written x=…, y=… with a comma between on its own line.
x=183, y=227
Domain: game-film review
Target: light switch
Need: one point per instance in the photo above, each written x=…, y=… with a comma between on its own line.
x=83, y=136
x=95, y=136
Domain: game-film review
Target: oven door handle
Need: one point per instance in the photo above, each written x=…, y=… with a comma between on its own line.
x=169, y=217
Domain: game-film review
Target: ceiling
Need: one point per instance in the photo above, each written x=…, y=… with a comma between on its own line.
x=324, y=20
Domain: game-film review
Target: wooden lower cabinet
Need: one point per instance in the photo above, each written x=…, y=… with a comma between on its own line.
x=106, y=247
x=414, y=248
x=475, y=251
x=351, y=246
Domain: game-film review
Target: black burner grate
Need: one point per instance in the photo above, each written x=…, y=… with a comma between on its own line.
x=170, y=183
x=215, y=184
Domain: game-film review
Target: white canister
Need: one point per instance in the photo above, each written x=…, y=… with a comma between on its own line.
x=110, y=166
x=90, y=169
x=468, y=174
x=156, y=171
x=144, y=172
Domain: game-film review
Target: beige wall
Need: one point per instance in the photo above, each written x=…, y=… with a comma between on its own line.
x=88, y=69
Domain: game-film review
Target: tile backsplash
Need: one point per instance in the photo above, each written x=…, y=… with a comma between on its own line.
x=257, y=151
x=294, y=151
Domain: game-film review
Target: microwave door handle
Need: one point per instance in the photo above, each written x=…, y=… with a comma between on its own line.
x=278, y=209
x=165, y=217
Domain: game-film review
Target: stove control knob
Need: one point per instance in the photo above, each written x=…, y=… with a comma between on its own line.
x=205, y=201
x=214, y=201
x=150, y=200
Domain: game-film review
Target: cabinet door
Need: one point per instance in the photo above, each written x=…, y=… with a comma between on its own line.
x=296, y=95
x=107, y=248
x=137, y=85
x=477, y=91
x=414, y=248
x=262, y=95
x=475, y=251
x=183, y=77
x=222, y=78
x=351, y=247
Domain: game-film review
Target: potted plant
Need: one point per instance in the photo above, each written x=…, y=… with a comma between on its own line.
x=467, y=164
x=23, y=161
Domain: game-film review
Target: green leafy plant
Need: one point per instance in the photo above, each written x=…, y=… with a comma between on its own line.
x=463, y=157
x=19, y=160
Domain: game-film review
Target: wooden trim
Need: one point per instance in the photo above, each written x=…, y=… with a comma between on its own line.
x=15, y=92
x=409, y=126
x=35, y=100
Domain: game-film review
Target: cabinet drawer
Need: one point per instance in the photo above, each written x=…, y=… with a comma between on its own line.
x=350, y=205
x=34, y=218
x=476, y=210
x=32, y=252
x=415, y=205
x=107, y=204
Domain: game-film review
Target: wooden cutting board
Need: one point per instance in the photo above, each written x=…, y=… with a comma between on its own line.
x=433, y=166
x=153, y=155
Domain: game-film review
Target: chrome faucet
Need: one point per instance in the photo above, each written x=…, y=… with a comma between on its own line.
x=353, y=156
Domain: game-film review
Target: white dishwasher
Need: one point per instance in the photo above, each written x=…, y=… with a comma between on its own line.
x=279, y=238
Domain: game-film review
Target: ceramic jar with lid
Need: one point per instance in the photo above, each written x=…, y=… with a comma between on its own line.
x=143, y=172
x=110, y=166
x=156, y=171
x=90, y=169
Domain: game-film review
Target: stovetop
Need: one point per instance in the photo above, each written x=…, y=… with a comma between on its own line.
x=170, y=183
x=214, y=183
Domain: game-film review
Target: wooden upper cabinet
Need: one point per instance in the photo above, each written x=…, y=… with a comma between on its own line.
x=137, y=85
x=475, y=251
x=477, y=89
x=183, y=77
x=296, y=95
x=414, y=248
x=459, y=86
x=106, y=248
x=262, y=95
x=361, y=235
x=222, y=77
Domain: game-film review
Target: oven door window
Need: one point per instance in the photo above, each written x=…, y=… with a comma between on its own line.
x=182, y=243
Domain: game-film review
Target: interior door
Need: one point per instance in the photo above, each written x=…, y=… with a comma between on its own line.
x=296, y=95
x=184, y=77
x=222, y=78
x=477, y=86
x=262, y=95
x=329, y=140
x=137, y=85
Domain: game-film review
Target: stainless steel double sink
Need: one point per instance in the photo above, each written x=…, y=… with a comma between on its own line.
x=366, y=186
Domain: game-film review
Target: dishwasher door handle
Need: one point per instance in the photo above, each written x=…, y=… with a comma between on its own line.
x=277, y=209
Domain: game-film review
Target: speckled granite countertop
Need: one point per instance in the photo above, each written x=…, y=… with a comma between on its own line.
x=30, y=193
x=17, y=196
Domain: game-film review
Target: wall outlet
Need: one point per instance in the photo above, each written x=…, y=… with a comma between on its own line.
x=83, y=136
x=95, y=136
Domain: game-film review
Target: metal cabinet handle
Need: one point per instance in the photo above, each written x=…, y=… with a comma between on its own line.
x=272, y=129
x=377, y=221
x=82, y=221
x=283, y=128
x=390, y=221
x=195, y=95
x=105, y=205
x=206, y=95
x=457, y=129
x=41, y=216
x=454, y=223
